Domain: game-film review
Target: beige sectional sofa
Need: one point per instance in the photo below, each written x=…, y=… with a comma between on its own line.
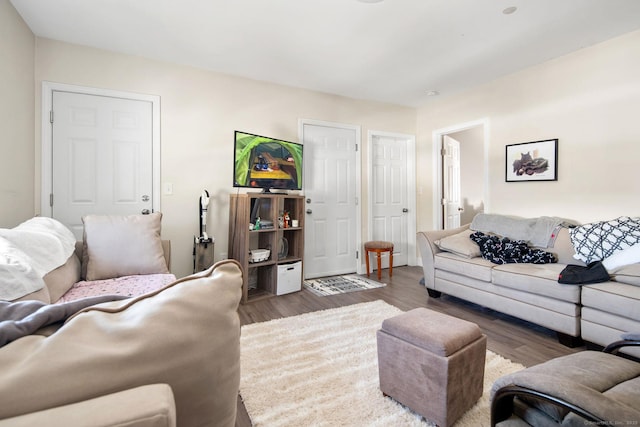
x=599, y=313
x=167, y=357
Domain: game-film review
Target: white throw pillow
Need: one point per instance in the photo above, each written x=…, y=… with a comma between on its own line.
x=17, y=276
x=621, y=258
x=460, y=244
x=116, y=246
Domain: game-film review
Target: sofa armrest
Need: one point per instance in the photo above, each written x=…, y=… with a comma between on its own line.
x=428, y=250
x=166, y=247
x=144, y=406
x=631, y=340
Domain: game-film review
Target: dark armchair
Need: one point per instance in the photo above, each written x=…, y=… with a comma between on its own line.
x=584, y=388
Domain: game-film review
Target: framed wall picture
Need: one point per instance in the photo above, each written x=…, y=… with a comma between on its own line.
x=532, y=161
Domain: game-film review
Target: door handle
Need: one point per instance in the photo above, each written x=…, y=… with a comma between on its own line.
x=405, y=210
x=309, y=211
x=145, y=212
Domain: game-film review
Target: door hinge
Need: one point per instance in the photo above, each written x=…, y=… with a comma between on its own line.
x=51, y=116
x=357, y=201
x=443, y=152
x=357, y=254
x=51, y=199
x=356, y=147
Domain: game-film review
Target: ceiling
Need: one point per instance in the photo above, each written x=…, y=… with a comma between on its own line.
x=392, y=51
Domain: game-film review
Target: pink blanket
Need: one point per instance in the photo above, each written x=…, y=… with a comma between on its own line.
x=129, y=286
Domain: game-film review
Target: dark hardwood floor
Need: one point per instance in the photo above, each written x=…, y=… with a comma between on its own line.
x=515, y=339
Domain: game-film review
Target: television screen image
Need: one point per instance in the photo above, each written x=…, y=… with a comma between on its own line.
x=262, y=162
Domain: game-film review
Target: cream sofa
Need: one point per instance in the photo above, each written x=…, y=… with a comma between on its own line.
x=599, y=313
x=186, y=335
x=167, y=356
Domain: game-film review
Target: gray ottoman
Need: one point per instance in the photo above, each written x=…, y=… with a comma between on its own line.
x=433, y=363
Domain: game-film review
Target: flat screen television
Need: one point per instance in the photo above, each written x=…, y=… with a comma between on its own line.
x=266, y=163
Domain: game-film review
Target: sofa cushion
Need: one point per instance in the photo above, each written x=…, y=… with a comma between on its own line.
x=460, y=244
x=478, y=268
x=618, y=298
x=541, y=279
x=611, y=322
x=629, y=274
x=548, y=303
x=603, y=328
x=60, y=280
x=123, y=246
x=40, y=295
x=146, y=406
x=186, y=335
x=131, y=286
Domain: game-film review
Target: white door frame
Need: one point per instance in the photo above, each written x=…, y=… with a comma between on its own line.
x=46, y=139
x=358, y=222
x=438, y=134
x=411, y=189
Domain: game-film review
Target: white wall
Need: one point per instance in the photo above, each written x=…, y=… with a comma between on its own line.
x=17, y=47
x=589, y=100
x=199, y=112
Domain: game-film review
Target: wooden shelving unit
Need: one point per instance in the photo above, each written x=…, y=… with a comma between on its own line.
x=261, y=278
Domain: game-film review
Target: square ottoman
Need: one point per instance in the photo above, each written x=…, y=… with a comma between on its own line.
x=431, y=362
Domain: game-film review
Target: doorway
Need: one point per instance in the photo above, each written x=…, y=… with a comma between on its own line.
x=392, y=194
x=332, y=193
x=101, y=153
x=461, y=173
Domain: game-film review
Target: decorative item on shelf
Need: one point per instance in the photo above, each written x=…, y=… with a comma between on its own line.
x=284, y=248
x=266, y=224
x=256, y=226
x=294, y=223
x=259, y=255
x=287, y=220
x=281, y=220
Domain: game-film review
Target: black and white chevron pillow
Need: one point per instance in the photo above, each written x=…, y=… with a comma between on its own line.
x=599, y=240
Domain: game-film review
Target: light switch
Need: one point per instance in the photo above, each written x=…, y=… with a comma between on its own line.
x=168, y=188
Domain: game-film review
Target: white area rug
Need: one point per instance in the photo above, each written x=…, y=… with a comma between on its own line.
x=321, y=369
x=340, y=284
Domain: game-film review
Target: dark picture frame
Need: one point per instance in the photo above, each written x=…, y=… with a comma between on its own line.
x=532, y=161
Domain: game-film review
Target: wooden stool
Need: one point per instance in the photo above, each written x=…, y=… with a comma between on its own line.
x=378, y=247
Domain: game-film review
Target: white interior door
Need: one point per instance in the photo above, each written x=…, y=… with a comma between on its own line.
x=389, y=195
x=451, y=182
x=102, y=157
x=331, y=238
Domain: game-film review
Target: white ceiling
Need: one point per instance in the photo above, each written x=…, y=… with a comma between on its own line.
x=393, y=51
